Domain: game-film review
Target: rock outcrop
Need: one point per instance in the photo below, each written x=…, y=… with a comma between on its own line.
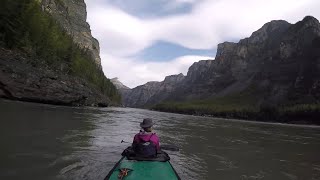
x=72, y=16
x=140, y=95
x=119, y=84
x=151, y=92
x=20, y=79
x=280, y=62
x=165, y=88
x=124, y=90
x=64, y=75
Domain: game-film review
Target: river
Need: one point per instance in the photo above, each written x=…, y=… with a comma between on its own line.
x=53, y=142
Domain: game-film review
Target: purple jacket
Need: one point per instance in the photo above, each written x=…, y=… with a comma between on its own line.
x=145, y=136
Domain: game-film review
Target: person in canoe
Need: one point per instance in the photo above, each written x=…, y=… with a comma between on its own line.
x=146, y=143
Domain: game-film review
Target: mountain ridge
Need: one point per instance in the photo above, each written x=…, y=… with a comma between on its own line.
x=278, y=64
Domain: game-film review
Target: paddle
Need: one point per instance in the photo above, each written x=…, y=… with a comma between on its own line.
x=167, y=147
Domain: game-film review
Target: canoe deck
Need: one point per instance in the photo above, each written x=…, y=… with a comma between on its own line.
x=140, y=170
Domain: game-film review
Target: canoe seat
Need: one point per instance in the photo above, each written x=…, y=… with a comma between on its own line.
x=131, y=155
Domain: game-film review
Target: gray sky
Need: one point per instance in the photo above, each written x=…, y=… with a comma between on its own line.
x=146, y=40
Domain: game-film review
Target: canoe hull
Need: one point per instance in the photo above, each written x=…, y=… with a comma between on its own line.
x=140, y=170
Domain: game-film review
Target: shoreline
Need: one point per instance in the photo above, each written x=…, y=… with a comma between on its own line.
x=23, y=80
x=280, y=119
x=53, y=103
x=292, y=123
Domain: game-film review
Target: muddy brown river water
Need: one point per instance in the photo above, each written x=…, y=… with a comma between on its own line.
x=54, y=142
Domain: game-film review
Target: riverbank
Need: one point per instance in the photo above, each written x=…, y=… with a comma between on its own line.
x=41, y=62
x=24, y=80
x=308, y=114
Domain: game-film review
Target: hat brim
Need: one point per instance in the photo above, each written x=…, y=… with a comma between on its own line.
x=146, y=125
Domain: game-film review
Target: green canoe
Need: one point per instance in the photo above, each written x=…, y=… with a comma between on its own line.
x=142, y=169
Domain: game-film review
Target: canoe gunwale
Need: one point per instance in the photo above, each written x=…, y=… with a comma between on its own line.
x=175, y=171
x=114, y=167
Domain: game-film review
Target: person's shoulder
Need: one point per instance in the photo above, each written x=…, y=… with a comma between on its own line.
x=155, y=135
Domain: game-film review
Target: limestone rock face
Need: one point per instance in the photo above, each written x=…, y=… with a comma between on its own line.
x=173, y=79
x=72, y=16
x=140, y=95
x=151, y=92
x=279, y=63
x=273, y=59
x=124, y=90
x=165, y=89
x=118, y=84
x=197, y=71
x=20, y=79
x=298, y=37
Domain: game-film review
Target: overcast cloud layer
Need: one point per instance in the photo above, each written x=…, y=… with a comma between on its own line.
x=125, y=28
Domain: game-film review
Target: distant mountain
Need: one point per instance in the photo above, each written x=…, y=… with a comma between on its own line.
x=118, y=84
x=278, y=65
x=152, y=92
x=124, y=90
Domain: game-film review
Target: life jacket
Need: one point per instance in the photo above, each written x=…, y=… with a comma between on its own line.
x=145, y=148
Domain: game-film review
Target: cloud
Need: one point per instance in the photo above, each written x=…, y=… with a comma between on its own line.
x=209, y=23
x=133, y=72
x=119, y=33
x=123, y=35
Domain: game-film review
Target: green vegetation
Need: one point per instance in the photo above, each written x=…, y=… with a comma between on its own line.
x=244, y=105
x=26, y=27
x=235, y=105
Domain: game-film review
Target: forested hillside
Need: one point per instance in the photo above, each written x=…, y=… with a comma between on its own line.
x=31, y=32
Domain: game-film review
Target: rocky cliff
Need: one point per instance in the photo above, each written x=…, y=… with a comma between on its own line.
x=72, y=16
x=119, y=84
x=47, y=55
x=124, y=90
x=151, y=92
x=23, y=81
x=278, y=64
